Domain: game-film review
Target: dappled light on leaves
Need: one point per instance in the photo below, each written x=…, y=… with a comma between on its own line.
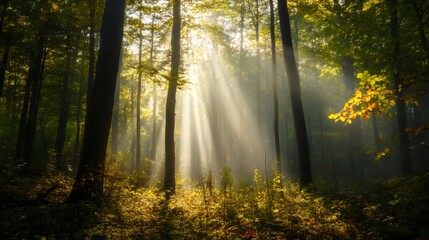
x=374, y=95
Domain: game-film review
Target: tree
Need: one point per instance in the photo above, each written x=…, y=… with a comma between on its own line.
x=64, y=114
x=275, y=93
x=401, y=116
x=295, y=91
x=170, y=158
x=92, y=6
x=89, y=180
x=139, y=92
x=3, y=64
x=35, y=75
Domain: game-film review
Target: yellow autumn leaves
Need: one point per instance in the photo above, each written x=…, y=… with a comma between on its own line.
x=374, y=95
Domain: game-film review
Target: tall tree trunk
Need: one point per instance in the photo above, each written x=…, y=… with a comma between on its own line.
x=115, y=118
x=24, y=111
x=421, y=28
x=90, y=175
x=295, y=91
x=355, y=136
x=376, y=132
x=139, y=93
x=92, y=5
x=132, y=134
x=154, y=140
x=3, y=65
x=242, y=8
x=78, y=120
x=36, y=87
x=401, y=115
x=258, y=69
x=3, y=15
x=275, y=94
x=170, y=158
x=63, y=117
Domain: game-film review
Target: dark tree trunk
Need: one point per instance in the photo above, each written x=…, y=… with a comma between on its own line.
x=295, y=91
x=3, y=15
x=139, y=93
x=376, y=132
x=401, y=115
x=242, y=8
x=90, y=176
x=24, y=111
x=78, y=120
x=92, y=5
x=63, y=118
x=154, y=140
x=115, y=118
x=3, y=65
x=421, y=28
x=36, y=87
x=275, y=94
x=355, y=136
x=258, y=69
x=170, y=158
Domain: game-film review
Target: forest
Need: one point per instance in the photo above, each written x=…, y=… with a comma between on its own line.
x=214, y=119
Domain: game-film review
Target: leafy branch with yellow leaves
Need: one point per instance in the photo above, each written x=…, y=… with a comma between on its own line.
x=375, y=94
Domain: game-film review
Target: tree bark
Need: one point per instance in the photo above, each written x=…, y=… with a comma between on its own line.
x=3, y=65
x=355, y=135
x=62, y=119
x=139, y=93
x=154, y=139
x=295, y=91
x=78, y=120
x=36, y=87
x=3, y=15
x=376, y=132
x=170, y=158
x=421, y=28
x=90, y=176
x=115, y=118
x=401, y=115
x=92, y=6
x=275, y=93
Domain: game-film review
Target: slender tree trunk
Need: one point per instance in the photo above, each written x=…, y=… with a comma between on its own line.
x=3, y=15
x=78, y=120
x=92, y=5
x=355, y=136
x=242, y=8
x=401, y=115
x=3, y=65
x=139, y=93
x=115, y=118
x=24, y=111
x=36, y=87
x=295, y=91
x=63, y=118
x=154, y=140
x=275, y=94
x=376, y=133
x=90, y=176
x=421, y=28
x=170, y=158
x=258, y=69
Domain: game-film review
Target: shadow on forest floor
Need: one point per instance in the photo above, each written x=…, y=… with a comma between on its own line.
x=384, y=209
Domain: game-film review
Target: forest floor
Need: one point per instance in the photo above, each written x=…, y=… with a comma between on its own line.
x=395, y=208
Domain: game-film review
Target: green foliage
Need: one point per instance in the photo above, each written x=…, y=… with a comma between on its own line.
x=378, y=209
x=374, y=95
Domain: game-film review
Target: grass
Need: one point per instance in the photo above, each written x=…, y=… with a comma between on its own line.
x=384, y=209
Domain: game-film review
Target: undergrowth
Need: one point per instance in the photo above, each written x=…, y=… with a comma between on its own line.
x=267, y=209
